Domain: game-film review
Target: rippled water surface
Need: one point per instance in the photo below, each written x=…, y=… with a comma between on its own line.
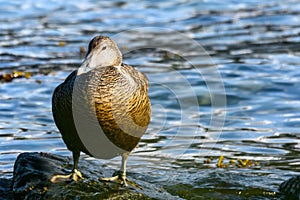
x=243, y=102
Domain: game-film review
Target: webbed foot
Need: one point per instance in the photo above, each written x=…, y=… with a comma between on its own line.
x=120, y=177
x=75, y=175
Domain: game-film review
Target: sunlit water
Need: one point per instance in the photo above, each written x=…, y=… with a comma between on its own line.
x=254, y=47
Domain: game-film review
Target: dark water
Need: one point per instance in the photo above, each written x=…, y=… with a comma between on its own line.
x=254, y=59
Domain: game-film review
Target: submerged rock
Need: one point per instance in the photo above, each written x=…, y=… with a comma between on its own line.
x=33, y=171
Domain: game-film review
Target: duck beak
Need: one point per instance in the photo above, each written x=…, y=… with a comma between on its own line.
x=85, y=67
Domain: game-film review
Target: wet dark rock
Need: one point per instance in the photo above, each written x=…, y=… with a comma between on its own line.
x=290, y=188
x=5, y=189
x=33, y=171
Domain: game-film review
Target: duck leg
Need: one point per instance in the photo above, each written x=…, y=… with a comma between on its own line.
x=74, y=175
x=120, y=176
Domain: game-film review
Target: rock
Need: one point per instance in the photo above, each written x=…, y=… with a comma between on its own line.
x=290, y=188
x=5, y=189
x=33, y=171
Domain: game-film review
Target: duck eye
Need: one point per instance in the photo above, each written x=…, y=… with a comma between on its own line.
x=103, y=48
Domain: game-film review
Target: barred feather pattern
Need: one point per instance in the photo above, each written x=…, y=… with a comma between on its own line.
x=118, y=97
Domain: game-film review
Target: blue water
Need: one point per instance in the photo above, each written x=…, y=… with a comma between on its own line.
x=238, y=95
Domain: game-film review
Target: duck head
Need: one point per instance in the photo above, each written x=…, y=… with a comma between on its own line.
x=102, y=52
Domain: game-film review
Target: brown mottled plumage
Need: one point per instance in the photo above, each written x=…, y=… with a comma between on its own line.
x=115, y=94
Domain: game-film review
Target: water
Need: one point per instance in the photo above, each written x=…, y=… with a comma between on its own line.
x=254, y=47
